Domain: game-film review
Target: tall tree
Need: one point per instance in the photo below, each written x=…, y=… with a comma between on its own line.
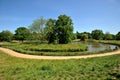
x=64, y=29
x=108, y=36
x=89, y=34
x=50, y=30
x=97, y=34
x=84, y=37
x=34, y=36
x=118, y=36
x=113, y=37
x=78, y=35
x=6, y=36
x=38, y=27
x=21, y=33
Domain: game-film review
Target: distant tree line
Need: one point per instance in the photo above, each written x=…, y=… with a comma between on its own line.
x=54, y=31
x=97, y=35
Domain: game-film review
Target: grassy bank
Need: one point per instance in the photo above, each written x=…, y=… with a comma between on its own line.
x=114, y=42
x=54, y=49
x=104, y=68
x=47, y=49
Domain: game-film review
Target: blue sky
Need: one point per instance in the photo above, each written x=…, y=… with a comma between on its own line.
x=87, y=15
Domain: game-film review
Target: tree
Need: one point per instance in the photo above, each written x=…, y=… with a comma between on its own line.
x=50, y=30
x=108, y=36
x=118, y=36
x=21, y=33
x=78, y=35
x=97, y=34
x=74, y=36
x=34, y=36
x=38, y=27
x=88, y=34
x=6, y=36
x=84, y=37
x=64, y=29
x=113, y=37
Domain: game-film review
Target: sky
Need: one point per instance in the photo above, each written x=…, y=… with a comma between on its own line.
x=87, y=15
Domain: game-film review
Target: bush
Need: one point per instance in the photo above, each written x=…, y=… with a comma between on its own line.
x=6, y=36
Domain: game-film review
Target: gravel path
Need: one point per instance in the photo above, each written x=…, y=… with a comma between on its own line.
x=20, y=55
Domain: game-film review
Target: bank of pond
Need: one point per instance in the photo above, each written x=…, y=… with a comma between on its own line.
x=74, y=48
x=95, y=46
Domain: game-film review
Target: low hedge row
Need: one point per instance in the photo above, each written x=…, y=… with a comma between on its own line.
x=55, y=50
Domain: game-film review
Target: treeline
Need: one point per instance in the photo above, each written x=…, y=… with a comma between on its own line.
x=51, y=30
x=54, y=31
x=97, y=35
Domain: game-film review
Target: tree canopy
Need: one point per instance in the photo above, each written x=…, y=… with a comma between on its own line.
x=6, y=36
x=21, y=33
x=55, y=30
x=97, y=34
x=118, y=36
x=108, y=36
x=84, y=37
x=80, y=35
x=38, y=27
x=50, y=30
x=64, y=29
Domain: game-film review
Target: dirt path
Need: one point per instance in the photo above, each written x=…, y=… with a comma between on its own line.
x=16, y=54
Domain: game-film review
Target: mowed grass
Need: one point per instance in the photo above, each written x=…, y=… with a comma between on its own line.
x=103, y=68
x=47, y=49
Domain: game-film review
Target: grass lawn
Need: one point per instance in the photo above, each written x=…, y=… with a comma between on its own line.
x=104, y=68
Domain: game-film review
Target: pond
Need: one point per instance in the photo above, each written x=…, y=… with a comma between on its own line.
x=95, y=46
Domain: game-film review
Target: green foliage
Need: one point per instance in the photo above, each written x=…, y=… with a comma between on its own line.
x=89, y=34
x=38, y=27
x=114, y=42
x=80, y=35
x=97, y=34
x=50, y=30
x=84, y=37
x=34, y=36
x=108, y=36
x=103, y=68
x=6, y=36
x=118, y=36
x=47, y=49
x=74, y=37
x=22, y=33
x=114, y=37
x=35, y=48
x=64, y=29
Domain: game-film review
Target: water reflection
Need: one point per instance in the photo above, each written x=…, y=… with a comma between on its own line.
x=95, y=46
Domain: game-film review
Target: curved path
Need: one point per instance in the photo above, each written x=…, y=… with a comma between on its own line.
x=16, y=54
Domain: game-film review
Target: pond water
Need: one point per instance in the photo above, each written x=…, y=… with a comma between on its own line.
x=95, y=46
